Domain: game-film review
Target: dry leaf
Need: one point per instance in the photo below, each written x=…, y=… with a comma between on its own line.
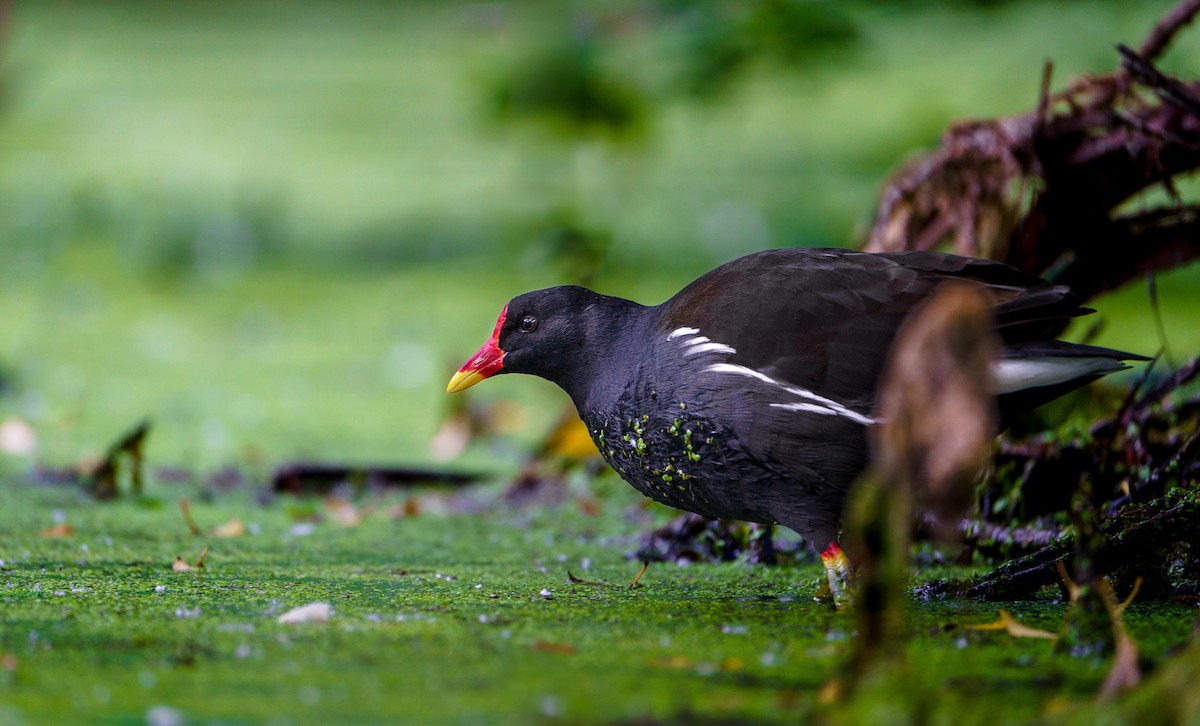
x=343, y=512
x=62, y=529
x=678, y=662
x=831, y=692
x=451, y=438
x=588, y=506
x=412, y=507
x=180, y=565
x=314, y=612
x=1014, y=628
x=578, y=581
x=232, y=528
x=568, y=439
x=547, y=646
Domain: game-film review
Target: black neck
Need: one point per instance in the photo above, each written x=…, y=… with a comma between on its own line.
x=597, y=368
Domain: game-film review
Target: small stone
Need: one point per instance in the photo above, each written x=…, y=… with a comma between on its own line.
x=17, y=437
x=314, y=612
x=163, y=716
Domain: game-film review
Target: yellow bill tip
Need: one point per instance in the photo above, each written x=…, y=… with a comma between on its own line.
x=463, y=380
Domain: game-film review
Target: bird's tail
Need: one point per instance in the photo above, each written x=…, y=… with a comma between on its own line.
x=1030, y=373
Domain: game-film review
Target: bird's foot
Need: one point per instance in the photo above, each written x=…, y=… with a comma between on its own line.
x=838, y=584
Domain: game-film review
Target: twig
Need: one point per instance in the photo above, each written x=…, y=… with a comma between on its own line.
x=1164, y=31
x=187, y=516
x=1169, y=89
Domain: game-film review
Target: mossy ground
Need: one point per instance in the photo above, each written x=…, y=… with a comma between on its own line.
x=391, y=218
x=468, y=617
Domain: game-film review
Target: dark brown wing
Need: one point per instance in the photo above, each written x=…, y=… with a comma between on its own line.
x=824, y=319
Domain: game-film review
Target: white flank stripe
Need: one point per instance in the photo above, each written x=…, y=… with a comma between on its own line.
x=682, y=331
x=834, y=406
x=708, y=348
x=742, y=371
x=809, y=407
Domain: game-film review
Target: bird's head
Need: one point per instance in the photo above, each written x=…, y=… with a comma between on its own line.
x=541, y=333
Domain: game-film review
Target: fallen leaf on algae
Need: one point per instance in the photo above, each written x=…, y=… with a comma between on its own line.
x=180, y=565
x=314, y=612
x=549, y=646
x=588, y=506
x=62, y=529
x=1007, y=623
x=733, y=665
x=580, y=581
x=831, y=691
x=674, y=662
x=232, y=528
x=345, y=513
x=682, y=662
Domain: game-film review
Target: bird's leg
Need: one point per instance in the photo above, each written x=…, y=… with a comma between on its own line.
x=839, y=577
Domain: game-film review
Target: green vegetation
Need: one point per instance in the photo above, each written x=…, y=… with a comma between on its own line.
x=443, y=618
x=275, y=229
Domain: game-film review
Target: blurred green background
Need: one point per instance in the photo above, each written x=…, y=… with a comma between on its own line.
x=276, y=228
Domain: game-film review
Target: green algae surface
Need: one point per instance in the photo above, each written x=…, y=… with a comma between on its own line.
x=468, y=617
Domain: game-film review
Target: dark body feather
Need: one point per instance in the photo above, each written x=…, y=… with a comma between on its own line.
x=749, y=393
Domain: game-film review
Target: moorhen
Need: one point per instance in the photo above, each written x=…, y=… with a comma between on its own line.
x=748, y=394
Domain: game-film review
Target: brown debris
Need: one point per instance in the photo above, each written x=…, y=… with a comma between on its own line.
x=310, y=477
x=692, y=538
x=1042, y=190
x=549, y=646
x=182, y=565
x=1135, y=457
x=938, y=418
x=1136, y=540
x=104, y=479
x=58, y=531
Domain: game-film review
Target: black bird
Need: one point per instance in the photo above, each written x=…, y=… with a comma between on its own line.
x=748, y=394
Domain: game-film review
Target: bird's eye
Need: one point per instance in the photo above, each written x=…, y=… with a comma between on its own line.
x=528, y=324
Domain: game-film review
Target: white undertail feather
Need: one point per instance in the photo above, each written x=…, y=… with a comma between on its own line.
x=1019, y=374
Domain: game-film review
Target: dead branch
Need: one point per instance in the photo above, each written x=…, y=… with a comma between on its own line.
x=1043, y=190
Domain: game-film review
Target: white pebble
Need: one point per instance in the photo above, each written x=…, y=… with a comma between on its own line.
x=314, y=612
x=163, y=716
